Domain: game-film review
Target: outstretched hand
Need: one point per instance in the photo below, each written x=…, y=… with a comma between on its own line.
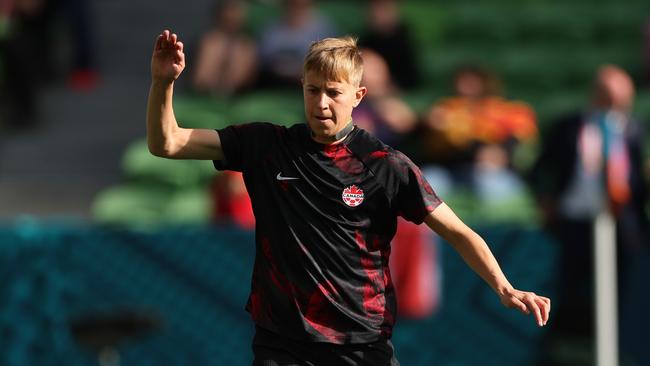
x=168, y=59
x=527, y=303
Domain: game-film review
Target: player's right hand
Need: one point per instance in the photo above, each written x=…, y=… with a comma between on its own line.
x=168, y=59
x=528, y=303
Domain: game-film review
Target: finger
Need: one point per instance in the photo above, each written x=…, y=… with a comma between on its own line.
x=159, y=41
x=180, y=57
x=520, y=305
x=173, y=38
x=534, y=308
x=179, y=46
x=164, y=43
x=545, y=307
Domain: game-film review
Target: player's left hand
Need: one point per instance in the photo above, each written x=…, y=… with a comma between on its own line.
x=527, y=303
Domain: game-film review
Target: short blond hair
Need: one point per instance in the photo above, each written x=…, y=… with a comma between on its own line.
x=336, y=59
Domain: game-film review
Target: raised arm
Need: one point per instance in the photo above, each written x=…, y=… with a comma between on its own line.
x=165, y=138
x=475, y=252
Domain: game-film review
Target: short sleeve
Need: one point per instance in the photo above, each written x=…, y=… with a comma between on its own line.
x=243, y=144
x=414, y=198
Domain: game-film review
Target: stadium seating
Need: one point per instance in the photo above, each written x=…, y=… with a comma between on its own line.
x=156, y=191
x=545, y=51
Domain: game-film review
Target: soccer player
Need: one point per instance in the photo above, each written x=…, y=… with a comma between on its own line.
x=326, y=195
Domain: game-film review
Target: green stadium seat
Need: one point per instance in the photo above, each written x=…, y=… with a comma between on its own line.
x=190, y=206
x=285, y=108
x=426, y=20
x=138, y=164
x=348, y=17
x=420, y=100
x=200, y=112
x=259, y=15
x=642, y=107
x=134, y=205
x=520, y=209
x=158, y=191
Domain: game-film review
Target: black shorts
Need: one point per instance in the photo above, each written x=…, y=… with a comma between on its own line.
x=270, y=349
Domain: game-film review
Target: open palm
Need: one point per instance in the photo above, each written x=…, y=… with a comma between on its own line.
x=168, y=59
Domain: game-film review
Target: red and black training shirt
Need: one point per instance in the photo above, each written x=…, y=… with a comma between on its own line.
x=325, y=216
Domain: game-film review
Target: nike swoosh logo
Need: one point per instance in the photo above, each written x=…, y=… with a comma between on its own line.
x=280, y=177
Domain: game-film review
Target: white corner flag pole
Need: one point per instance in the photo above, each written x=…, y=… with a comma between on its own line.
x=606, y=294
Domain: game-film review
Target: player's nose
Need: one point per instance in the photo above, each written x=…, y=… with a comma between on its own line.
x=323, y=101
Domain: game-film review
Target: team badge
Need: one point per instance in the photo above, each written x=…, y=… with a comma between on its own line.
x=352, y=196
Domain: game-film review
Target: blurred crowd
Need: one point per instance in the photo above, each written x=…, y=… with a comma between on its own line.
x=33, y=34
x=467, y=140
x=588, y=161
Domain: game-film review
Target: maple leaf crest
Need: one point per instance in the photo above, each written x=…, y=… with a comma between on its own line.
x=352, y=196
x=353, y=190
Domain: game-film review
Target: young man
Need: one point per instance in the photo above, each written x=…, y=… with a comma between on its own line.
x=326, y=196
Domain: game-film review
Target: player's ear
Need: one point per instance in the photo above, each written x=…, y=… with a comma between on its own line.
x=359, y=94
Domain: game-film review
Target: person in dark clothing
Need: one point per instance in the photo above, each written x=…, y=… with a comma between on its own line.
x=391, y=38
x=32, y=59
x=326, y=197
x=591, y=162
x=28, y=64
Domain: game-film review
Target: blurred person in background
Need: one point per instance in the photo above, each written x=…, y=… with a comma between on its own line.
x=28, y=60
x=382, y=112
x=5, y=13
x=82, y=72
x=232, y=204
x=227, y=57
x=226, y=64
x=473, y=136
x=390, y=37
x=32, y=56
x=592, y=161
x=283, y=43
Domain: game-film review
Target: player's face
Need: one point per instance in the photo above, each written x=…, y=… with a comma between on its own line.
x=328, y=104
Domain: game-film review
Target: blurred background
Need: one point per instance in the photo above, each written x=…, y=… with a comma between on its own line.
x=527, y=117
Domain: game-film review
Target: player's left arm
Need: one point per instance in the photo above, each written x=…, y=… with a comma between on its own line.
x=476, y=253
